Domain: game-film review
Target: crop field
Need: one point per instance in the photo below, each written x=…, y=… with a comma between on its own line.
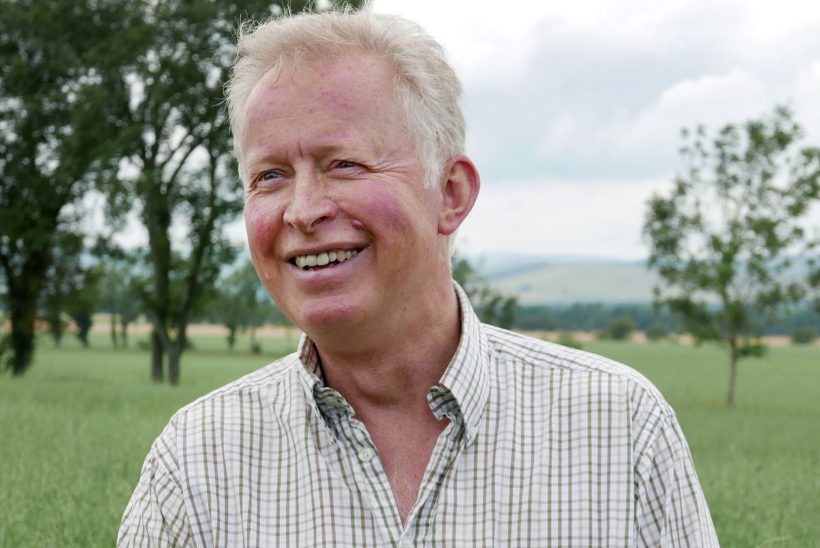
x=75, y=429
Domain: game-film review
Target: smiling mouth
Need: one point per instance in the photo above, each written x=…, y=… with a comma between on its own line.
x=322, y=260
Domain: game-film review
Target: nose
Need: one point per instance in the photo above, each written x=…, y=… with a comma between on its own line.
x=309, y=206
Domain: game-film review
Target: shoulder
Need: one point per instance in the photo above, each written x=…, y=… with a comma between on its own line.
x=245, y=397
x=512, y=350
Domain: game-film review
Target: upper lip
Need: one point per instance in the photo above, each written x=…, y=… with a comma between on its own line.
x=323, y=248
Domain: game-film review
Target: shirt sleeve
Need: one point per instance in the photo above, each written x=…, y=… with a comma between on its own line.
x=156, y=515
x=670, y=508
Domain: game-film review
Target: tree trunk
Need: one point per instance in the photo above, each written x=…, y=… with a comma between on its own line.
x=57, y=334
x=124, y=334
x=114, y=330
x=174, y=356
x=157, y=355
x=730, y=393
x=157, y=219
x=21, y=338
x=255, y=348
x=231, y=337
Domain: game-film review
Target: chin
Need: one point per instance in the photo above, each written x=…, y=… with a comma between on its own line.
x=322, y=316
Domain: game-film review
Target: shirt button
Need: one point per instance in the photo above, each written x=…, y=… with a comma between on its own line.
x=405, y=543
x=366, y=454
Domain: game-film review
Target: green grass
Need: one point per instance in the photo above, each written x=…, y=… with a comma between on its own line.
x=759, y=463
x=77, y=426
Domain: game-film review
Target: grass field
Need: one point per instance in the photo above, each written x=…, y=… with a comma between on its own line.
x=76, y=428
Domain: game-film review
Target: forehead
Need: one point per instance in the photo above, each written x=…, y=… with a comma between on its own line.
x=322, y=104
x=343, y=83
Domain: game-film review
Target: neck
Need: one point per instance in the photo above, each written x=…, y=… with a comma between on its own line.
x=390, y=367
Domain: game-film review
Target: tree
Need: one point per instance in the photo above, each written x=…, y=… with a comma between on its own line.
x=656, y=332
x=619, y=329
x=63, y=280
x=730, y=241
x=180, y=155
x=490, y=305
x=122, y=289
x=59, y=100
x=83, y=302
x=804, y=335
x=241, y=303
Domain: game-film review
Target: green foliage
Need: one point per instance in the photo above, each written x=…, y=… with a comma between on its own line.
x=656, y=332
x=619, y=329
x=591, y=316
x=123, y=279
x=60, y=105
x=804, y=335
x=725, y=239
x=566, y=339
x=125, y=94
x=491, y=306
x=70, y=287
x=241, y=303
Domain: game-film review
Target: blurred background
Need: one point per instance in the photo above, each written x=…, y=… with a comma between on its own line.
x=650, y=192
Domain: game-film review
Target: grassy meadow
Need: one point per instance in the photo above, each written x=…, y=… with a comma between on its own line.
x=75, y=429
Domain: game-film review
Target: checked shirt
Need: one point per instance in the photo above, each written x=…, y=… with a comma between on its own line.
x=545, y=446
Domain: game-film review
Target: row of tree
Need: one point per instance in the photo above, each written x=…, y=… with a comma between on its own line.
x=597, y=316
x=120, y=98
x=118, y=283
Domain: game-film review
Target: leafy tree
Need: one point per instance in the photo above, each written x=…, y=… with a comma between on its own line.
x=619, y=329
x=180, y=155
x=566, y=339
x=804, y=335
x=71, y=288
x=123, y=280
x=491, y=306
x=725, y=239
x=59, y=105
x=60, y=282
x=241, y=303
x=656, y=332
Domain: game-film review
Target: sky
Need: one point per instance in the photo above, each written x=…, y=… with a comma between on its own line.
x=574, y=109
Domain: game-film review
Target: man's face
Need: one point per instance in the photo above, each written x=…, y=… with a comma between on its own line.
x=334, y=181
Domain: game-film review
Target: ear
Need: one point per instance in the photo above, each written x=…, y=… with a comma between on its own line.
x=459, y=190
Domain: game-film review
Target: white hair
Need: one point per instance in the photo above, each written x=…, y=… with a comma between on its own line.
x=428, y=90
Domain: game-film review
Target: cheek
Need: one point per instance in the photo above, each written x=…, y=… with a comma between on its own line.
x=401, y=214
x=262, y=226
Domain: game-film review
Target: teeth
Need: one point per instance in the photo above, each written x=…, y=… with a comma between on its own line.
x=325, y=258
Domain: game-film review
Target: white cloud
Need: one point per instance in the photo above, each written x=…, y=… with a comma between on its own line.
x=581, y=103
x=560, y=217
x=650, y=137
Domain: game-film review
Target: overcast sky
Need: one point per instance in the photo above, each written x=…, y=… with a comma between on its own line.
x=574, y=108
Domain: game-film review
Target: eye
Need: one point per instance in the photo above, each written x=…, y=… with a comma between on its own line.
x=344, y=164
x=267, y=180
x=270, y=176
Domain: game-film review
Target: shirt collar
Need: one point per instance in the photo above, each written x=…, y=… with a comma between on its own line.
x=467, y=376
x=466, y=379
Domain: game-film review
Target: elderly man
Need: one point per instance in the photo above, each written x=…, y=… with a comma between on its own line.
x=401, y=420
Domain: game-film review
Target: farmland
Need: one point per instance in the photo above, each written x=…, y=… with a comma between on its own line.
x=76, y=428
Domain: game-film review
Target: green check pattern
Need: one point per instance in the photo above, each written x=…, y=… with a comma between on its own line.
x=545, y=446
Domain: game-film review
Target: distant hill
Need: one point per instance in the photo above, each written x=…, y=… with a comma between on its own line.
x=569, y=280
